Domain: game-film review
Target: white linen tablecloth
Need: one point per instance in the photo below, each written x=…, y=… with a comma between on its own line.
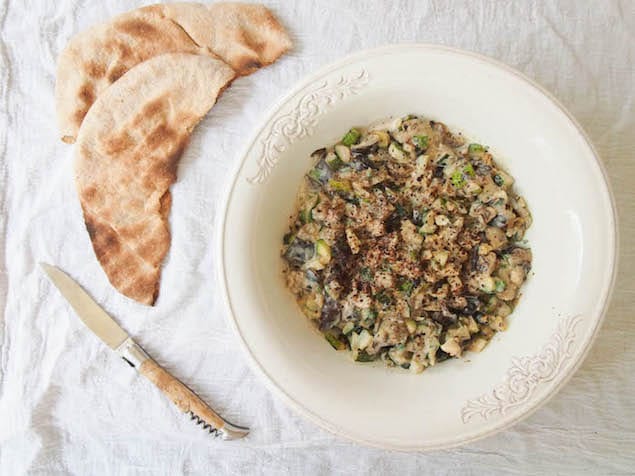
x=69, y=406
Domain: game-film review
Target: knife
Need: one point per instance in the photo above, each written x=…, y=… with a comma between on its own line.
x=104, y=327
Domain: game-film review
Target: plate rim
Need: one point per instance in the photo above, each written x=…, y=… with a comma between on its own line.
x=228, y=194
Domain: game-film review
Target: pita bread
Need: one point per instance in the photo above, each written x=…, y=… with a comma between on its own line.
x=126, y=157
x=244, y=36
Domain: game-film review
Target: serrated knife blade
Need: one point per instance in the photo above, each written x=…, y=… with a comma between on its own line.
x=104, y=327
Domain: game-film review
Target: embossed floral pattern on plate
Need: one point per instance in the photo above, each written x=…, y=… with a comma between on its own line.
x=299, y=122
x=525, y=375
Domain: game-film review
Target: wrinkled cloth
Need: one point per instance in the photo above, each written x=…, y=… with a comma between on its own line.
x=68, y=405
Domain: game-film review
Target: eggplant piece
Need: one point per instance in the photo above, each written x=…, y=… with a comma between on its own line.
x=441, y=356
x=473, y=305
x=331, y=313
x=361, y=161
x=358, y=165
x=321, y=173
x=312, y=276
x=474, y=258
x=499, y=221
x=299, y=252
x=419, y=216
x=318, y=154
x=446, y=318
x=393, y=222
x=481, y=168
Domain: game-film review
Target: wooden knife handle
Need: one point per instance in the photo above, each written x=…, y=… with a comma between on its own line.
x=184, y=398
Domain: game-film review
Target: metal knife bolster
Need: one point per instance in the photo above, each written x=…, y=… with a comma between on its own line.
x=132, y=353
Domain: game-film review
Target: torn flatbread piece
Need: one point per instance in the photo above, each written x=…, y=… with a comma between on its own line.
x=245, y=36
x=127, y=152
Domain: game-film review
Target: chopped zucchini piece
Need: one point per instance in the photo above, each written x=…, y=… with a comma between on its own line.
x=475, y=148
x=397, y=152
x=457, y=179
x=365, y=339
x=312, y=307
x=491, y=305
x=369, y=315
x=383, y=298
x=504, y=309
x=407, y=286
x=315, y=174
x=348, y=328
x=334, y=161
x=306, y=216
x=363, y=356
x=314, y=264
x=499, y=285
x=498, y=180
x=400, y=356
x=384, y=138
x=335, y=342
x=366, y=274
x=473, y=188
x=351, y=137
x=353, y=341
x=343, y=152
x=487, y=285
x=341, y=185
x=421, y=142
x=323, y=251
x=401, y=210
x=422, y=162
x=469, y=170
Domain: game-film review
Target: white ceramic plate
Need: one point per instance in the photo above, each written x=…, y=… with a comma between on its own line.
x=573, y=239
